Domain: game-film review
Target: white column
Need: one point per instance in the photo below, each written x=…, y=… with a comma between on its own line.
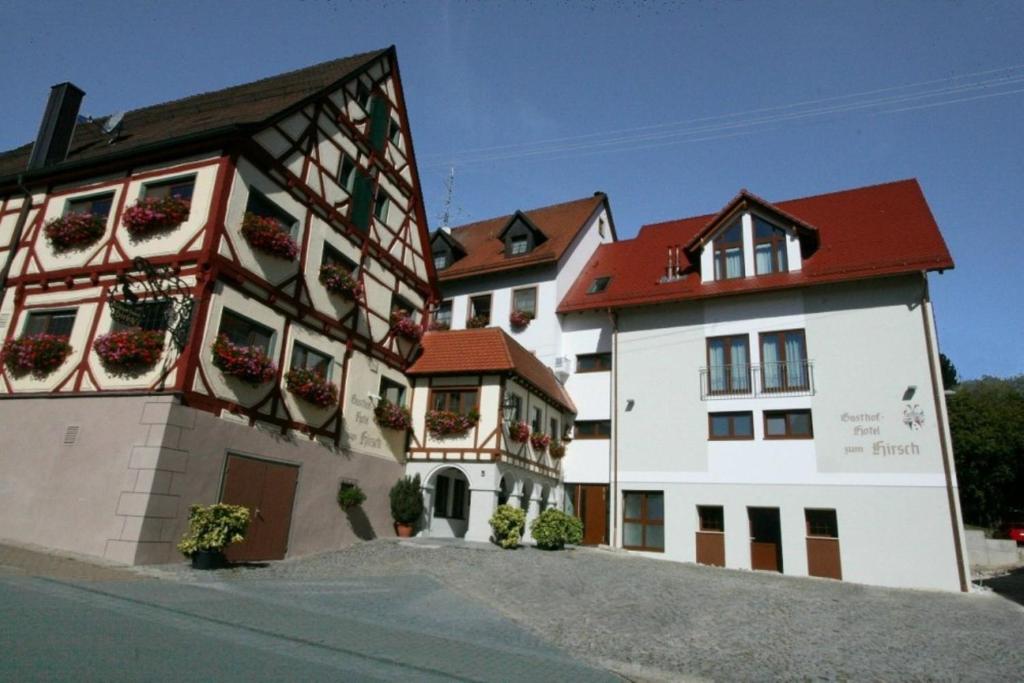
x=532, y=511
x=482, y=503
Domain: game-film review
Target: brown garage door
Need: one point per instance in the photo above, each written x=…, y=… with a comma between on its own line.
x=268, y=490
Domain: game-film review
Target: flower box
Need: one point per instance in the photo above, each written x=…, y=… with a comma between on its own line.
x=311, y=386
x=557, y=449
x=520, y=319
x=132, y=349
x=540, y=441
x=519, y=432
x=269, y=236
x=440, y=326
x=392, y=416
x=154, y=214
x=248, y=363
x=442, y=423
x=39, y=354
x=338, y=280
x=478, y=321
x=75, y=230
x=404, y=326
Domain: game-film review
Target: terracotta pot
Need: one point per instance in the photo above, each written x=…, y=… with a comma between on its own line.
x=403, y=530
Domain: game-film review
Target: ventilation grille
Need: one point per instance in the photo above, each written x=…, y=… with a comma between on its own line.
x=71, y=435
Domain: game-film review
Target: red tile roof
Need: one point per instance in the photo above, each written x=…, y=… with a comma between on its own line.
x=485, y=252
x=488, y=349
x=862, y=233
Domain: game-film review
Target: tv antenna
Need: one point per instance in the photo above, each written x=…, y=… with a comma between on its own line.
x=112, y=126
x=449, y=211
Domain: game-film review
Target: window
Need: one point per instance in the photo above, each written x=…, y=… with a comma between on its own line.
x=598, y=285
x=480, y=308
x=519, y=245
x=363, y=95
x=592, y=429
x=58, y=323
x=400, y=303
x=443, y=314
x=260, y=205
x=380, y=122
x=787, y=424
x=730, y=426
x=179, y=188
x=537, y=423
x=711, y=517
x=455, y=400
x=516, y=408
x=362, y=198
x=643, y=520
x=525, y=300
x=394, y=131
x=822, y=523
x=152, y=316
x=728, y=252
x=729, y=365
x=784, y=361
x=553, y=426
x=245, y=332
x=450, y=497
x=347, y=173
x=391, y=391
x=593, y=362
x=440, y=259
x=333, y=257
x=305, y=358
x=97, y=205
x=381, y=205
x=769, y=248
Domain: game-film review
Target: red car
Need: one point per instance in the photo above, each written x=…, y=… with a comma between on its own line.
x=1015, y=530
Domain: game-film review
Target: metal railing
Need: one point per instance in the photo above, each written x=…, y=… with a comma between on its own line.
x=795, y=378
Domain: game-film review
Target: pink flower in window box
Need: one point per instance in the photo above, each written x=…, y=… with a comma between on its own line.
x=520, y=319
x=478, y=321
x=441, y=423
x=404, y=326
x=75, y=230
x=39, y=354
x=269, y=236
x=392, y=416
x=556, y=449
x=130, y=350
x=153, y=214
x=311, y=386
x=540, y=441
x=519, y=432
x=338, y=280
x=248, y=363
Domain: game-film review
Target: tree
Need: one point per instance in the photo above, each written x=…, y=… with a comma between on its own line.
x=986, y=418
x=950, y=378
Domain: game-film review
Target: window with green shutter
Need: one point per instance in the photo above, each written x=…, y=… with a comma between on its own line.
x=380, y=120
x=362, y=200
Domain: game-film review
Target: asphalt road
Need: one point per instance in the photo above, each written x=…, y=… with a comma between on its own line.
x=396, y=628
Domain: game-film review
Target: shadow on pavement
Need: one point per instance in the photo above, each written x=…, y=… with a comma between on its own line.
x=1010, y=586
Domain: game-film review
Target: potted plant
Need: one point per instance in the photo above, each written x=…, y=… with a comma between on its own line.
x=154, y=214
x=478, y=321
x=520, y=320
x=557, y=449
x=211, y=528
x=391, y=416
x=311, y=386
x=350, y=495
x=508, y=523
x=269, y=236
x=75, y=230
x=442, y=423
x=519, y=431
x=540, y=441
x=553, y=529
x=130, y=350
x=248, y=363
x=440, y=325
x=406, y=504
x=39, y=354
x=337, y=279
x=404, y=326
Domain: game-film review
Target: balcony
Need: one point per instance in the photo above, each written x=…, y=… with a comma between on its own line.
x=794, y=378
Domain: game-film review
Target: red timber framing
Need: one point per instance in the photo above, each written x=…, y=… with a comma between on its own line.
x=199, y=259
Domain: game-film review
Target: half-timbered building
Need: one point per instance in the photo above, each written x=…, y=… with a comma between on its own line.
x=202, y=301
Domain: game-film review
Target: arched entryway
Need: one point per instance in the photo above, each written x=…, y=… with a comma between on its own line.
x=505, y=488
x=449, y=504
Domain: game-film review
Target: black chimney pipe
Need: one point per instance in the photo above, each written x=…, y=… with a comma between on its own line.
x=58, y=124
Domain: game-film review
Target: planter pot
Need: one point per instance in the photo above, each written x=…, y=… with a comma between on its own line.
x=404, y=530
x=209, y=559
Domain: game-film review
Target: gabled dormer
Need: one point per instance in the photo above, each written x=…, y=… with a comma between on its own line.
x=521, y=236
x=445, y=249
x=751, y=238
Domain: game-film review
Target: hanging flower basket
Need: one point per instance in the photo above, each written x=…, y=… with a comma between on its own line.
x=248, y=363
x=405, y=326
x=556, y=449
x=540, y=441
x=39, y=354
x=478, y=321
x=311, y=386
x=520, y=319
x=519, y=432
x=338, y=280
x=75, y=230
x=153, y=214
x=442, y=423
x=392, y=416
x=130, y=350
x=440, y=326
x=269, y=236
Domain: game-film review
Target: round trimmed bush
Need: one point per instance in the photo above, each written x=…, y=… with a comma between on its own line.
x=508, y=523
x=553, y=529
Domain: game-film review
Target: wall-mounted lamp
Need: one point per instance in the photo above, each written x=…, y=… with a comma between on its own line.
x=509, y=407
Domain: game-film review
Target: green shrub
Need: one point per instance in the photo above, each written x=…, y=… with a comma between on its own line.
x=553, y=529
x=508, y=523
x=214, y=527
x=406, y=500
x=350, y=495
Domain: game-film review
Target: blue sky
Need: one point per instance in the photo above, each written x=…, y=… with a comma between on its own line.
x=669, y=108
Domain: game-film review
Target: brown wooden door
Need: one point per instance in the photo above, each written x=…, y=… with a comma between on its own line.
x=765, y=539
x=268, y=490
x=823, y=558
x=711, y=548
x=593, y=509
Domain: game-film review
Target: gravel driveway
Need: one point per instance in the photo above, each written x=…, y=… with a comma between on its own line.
x=657, y=620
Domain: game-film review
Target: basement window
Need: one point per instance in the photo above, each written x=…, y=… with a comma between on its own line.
x=599, y=285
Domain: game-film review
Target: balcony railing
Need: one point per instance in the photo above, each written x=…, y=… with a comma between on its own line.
x=795, y=378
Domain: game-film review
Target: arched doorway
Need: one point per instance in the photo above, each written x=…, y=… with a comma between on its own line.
x=505, y=487
x=449, y=512
x=524, y=500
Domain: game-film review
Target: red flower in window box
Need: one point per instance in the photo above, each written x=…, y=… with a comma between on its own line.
x=338, y=280
x=269, y=236
x=392, y=416
x=404, y=326
x=540, y=441
x=129, y=350
x=39, y=354
x=153, y=214
x=75, y=230
x=247, y=363
x=520, y=319
x=556, y=449
x=478, y=321
x=519, y=432
x=441, y=423
x=311, y=386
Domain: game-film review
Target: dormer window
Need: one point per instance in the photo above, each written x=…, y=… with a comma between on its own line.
x=769, y=248
x=440, y=260
x=519, y=245
x=598, y=285
x=728, y=253
x=521, y=236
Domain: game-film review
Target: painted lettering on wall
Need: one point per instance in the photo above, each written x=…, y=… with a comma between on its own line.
x=863, y=425
x=360, y=414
